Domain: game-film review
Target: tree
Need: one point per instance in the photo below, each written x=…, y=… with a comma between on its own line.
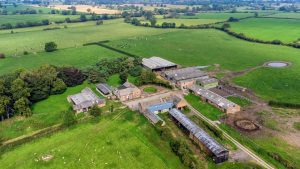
x=256, y=14
x=50, y=46
x=69, y=118
x=2, y=55
x=71, y=76
x=58, y=86
x=112, y=108
x=153, y=22
x=45, y=22
x=123, y=77
x=226, y=26
x=95, y=111
x=19, y=89
x=82, y=18
x=4, y=102
x=89, y=10
x=99, y=22
x=21, y=107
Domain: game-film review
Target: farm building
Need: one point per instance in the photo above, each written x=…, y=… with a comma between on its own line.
x=158, y=64
x=216, y=100
x=127, y=91
x=185, y=77
x=104, y=88
x=84, y=100
x=153, y=118
x=199, y=136
x=207, y=83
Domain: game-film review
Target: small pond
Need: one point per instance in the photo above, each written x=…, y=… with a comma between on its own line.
x=277, y=64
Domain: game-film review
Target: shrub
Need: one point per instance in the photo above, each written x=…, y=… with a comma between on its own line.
x=95, y=111
x=25, y=53
x=50, y=46
x=69, y=118
x=2, y=55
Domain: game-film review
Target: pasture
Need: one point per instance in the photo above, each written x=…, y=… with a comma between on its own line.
x=285, y=30
x=82, y=57
x=72, y=36
x=291, y=15
x=10, y=8
x=186, y=22
x=123, y=139
x=14, y=19
x=207, y=47
x=222, y=16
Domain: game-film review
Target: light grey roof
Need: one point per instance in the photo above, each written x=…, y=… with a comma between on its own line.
x=200, y=134
x=153, y=117
x=86, y=98
x=156, y=63
x=213, y=97
x=184, y=73
x=205, y=81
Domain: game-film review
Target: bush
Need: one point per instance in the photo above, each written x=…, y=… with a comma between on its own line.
x=95, y=111
x=25, y=53
x=69, y=118
x=50, y=46
x=2, y=55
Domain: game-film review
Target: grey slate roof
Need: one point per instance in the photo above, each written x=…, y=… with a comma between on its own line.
x=205, y=81
x=184, y=73
x=85, y=99
x=156, y=63
x=213, y=97
x=153, y=117
x=200, y=134
x=104, y=88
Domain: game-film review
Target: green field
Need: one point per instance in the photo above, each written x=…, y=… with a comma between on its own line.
x=150, y=89
x=285, y=30
x=293, y=15
x=11, y=8
x=219, y=16
x=206, y=47
x=14, y=19
x=123, y=139
x=82, y=57
x=72, y=36
x=240, y=101
x=187, y=22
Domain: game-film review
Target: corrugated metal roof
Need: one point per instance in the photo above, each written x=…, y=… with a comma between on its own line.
x=153, y=117
x=156, y=63
x=160, y=106
x=104, y=88
x=184, y=73
x=86, y=98
x=200, y=134
x=213, y=97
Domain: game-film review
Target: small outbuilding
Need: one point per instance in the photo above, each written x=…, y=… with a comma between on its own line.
x=84, y=100
x=208, y=83
x=104, y=88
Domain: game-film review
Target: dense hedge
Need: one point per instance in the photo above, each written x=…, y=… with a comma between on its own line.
x=284, y=104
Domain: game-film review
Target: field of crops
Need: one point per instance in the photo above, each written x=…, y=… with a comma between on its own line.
x=285, y=30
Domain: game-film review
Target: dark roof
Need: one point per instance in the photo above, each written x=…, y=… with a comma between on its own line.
x=200, y=134
x=104, y=88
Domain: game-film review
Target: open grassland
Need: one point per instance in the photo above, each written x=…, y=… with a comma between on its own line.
x=10, y=8
x=219, y=16
x=186, y=22
x=123, y=139
x=72, y=36
x=293, y=15
x=45, y=113
x=14, y=19
x=81, y=57
x=285, y=30
x=206, y=47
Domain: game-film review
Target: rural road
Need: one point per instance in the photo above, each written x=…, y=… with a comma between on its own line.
x=239, y=145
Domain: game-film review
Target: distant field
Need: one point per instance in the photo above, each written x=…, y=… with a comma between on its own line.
x=72, y=36
x=206, y=47
x=220, y=16
x=123, y=139
x=286, y=30
x=81, y=57
x=11, y=8
x=187, y=22
x=286, y=15
x=13, y=19
x=84, y=8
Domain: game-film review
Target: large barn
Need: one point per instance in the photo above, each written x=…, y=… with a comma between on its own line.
x=158, y=64
x=216, y=100
x=199, y=136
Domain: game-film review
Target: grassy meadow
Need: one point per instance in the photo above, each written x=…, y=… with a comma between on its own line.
x=72, y=36
x=292, y=15
x=222, y=16
x=186, y=22
x=285, y=30
x=10, y=8
x=14, y=19
x=82, y=57
x=207, y=47
x=123, y=139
